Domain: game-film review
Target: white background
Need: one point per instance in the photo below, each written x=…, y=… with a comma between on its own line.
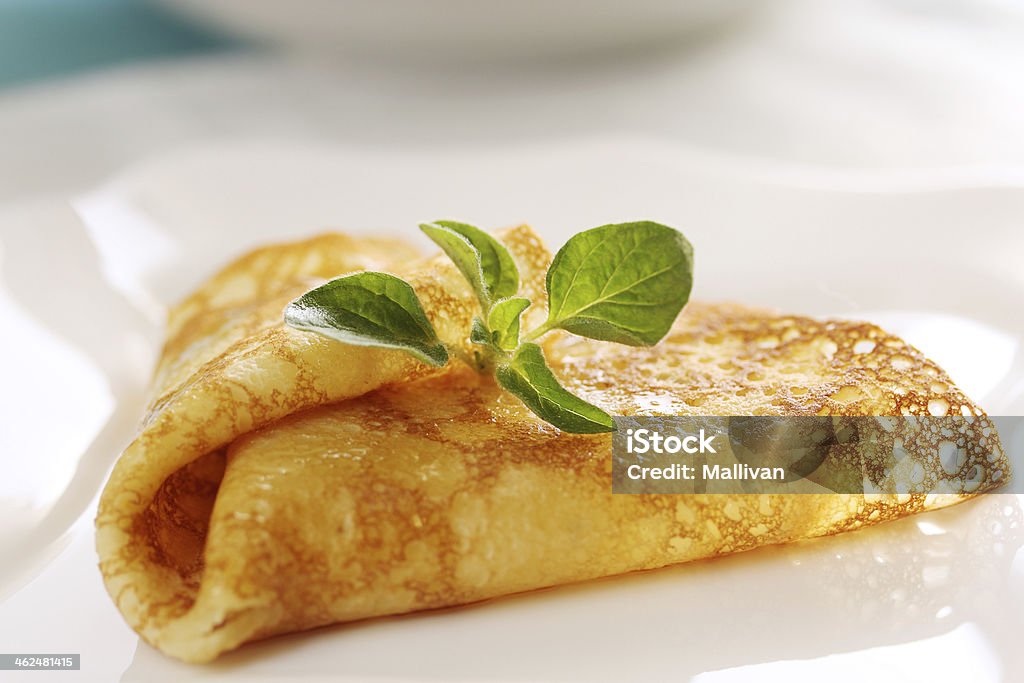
x=865, y=86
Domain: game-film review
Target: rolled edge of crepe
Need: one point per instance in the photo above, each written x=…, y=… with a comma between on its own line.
x=231, y=366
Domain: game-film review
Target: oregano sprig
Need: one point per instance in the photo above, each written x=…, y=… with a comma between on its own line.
x=625, y=283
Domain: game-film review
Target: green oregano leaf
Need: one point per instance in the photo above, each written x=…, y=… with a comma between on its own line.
x=528, y=377
x=369, y=309
x=503, y=321
x=478, y=333
x=623, y=283
x=483, y=260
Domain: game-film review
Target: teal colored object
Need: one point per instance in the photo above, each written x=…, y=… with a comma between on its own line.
x=42, y=39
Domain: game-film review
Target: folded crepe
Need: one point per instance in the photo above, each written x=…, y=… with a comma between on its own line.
x=282, y=481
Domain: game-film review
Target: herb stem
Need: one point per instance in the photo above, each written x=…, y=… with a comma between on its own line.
x=540, y=331
x=464, y=356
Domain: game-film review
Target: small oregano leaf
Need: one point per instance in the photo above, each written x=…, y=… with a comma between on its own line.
x=483, y=260
x=623, y=283
x=478, y=333
x=369, y=309
x=528, y=377
x=503, y=321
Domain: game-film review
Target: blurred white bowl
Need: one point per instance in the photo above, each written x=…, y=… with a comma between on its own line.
x=461, y=29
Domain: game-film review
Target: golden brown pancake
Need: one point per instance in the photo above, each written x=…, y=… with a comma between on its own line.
x=282, y=481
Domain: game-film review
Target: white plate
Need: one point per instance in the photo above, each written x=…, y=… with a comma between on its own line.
x=936, y=597
x=468, y=30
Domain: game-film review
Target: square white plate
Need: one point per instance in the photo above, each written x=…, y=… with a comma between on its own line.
x=936, y=597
